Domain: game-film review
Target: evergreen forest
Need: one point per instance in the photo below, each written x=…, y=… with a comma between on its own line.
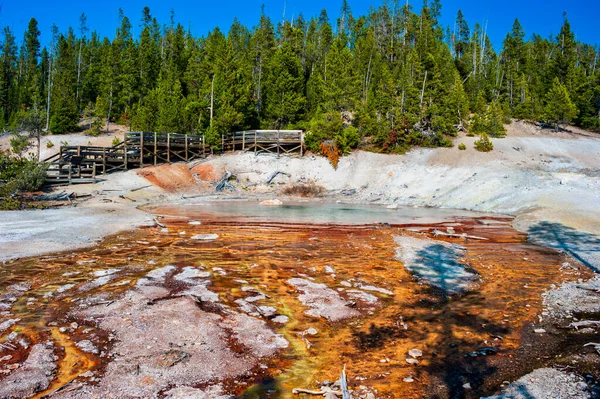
x=389, y=80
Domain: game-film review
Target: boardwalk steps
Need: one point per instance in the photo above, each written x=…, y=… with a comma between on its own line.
x=82, y=164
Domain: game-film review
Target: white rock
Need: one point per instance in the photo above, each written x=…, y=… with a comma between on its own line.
x=415, y=353
x=106, y=272
x=282, y=319
x=205, y=237
x=272, y=202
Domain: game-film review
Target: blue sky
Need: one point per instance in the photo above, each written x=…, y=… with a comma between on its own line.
x=536, y=16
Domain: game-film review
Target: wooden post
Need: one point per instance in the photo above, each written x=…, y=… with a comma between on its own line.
x=203, y=147
x=70, y=167
x=222, y=143
x=141, y=149
x=212, y=99
x=244, y=141
x=301, y=143
x=169, y=147
x=104, y=161
x=125, y=153
x=255, y=148
x=186, y=147
x=78, y=150
x=278, y=143
x=154, y=148
x=94, y=171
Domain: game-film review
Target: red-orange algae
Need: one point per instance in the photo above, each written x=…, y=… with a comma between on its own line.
x=449, y=330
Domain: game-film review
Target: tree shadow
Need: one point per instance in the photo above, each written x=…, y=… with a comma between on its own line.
x=583, y=247
x=438, y=265
x=457, y=358
x=524, y=392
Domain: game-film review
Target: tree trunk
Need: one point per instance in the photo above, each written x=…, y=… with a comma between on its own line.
x=49, y=91
x=78, y=70
x=423, y=89
x=39, y=140
x=109, y=109
x=212, y=99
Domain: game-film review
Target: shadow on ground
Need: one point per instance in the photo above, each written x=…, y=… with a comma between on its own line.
x=438, y=264
x=583, y=247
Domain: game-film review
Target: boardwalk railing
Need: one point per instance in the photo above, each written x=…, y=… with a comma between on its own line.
x=155, y=148
x=271, y=141
x=81, y=164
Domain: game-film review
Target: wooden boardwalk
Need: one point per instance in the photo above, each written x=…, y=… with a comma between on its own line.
x=81, y=164
x=271, y=141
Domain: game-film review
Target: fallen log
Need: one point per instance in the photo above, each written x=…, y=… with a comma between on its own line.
x=68, y=387
x=223, y=182
x=127, y=198
x=344, y=384
x=141, y=188
x=595, y=345
x=584, y=323
x=588, y=287
x=275, y=174
x=437, y=233
x=63, y=196
x=159, y=224
x=327, y=391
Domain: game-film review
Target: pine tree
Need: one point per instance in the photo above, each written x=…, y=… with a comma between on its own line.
x=559, y=107
x=263, y=42
x=148, y=51
x=29, y=60
x=285, y=101
x=340, y=89
x=108, y=81
x=494, y=120
x=64, y=115
x=392, y=74
x=8, y=77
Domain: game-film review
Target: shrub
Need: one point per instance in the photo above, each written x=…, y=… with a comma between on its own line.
x=94, y=127
x=484, y=144
x=18, y=175
x=324, y=127
x=115, y=141
x=49, y=144
x=491, y=122
x=63, y=122
x=347, y=140
x=213, y=138
x=462, y=146
x=332, y=152
x=19, y=144
x=303, y=190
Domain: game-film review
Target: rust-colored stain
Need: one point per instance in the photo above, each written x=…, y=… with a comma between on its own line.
x=205, y=172
x=449, y=330
x=172, y=177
